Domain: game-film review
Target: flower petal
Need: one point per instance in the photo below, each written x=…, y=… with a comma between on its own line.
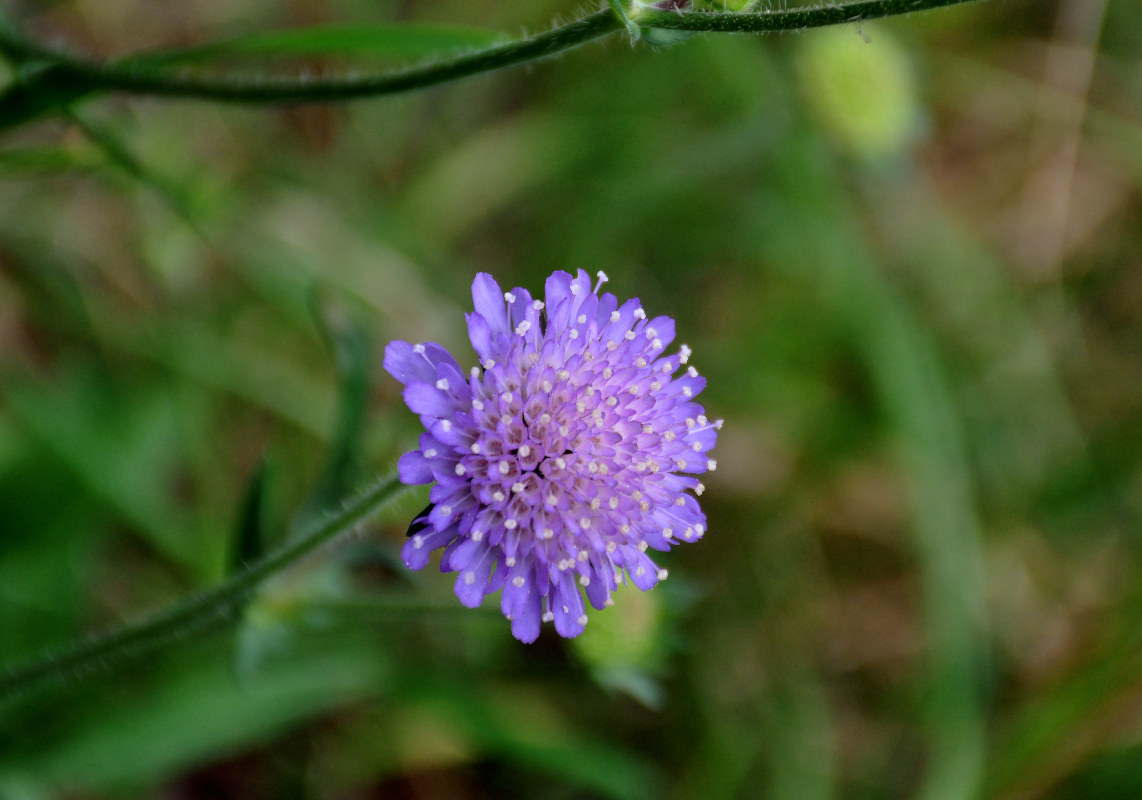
x=424, y=398
x=404, y=363
x=480, y=335
x=413, y=468
x=417, y=549
x=566, y=603
x=488, y=300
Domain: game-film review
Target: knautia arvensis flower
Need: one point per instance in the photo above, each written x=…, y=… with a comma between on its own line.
x=560, y=459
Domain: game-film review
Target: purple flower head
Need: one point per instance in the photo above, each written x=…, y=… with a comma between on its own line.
x=560, y=459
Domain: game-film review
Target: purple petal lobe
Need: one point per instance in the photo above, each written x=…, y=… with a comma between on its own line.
x=417, y=549
x=405, y=364
x=414, y=468
x=488, y=299
x=424, y=398
x=480, y=334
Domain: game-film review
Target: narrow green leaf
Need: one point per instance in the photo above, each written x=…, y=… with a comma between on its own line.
x=40, y=92
x=41, y=160
x=400, y=41
x=250, y=533
x=348, y=340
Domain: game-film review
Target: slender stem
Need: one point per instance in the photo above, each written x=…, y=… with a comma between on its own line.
x=69, y=74
x=791, y=19
x=138, y=78
x=214, y=606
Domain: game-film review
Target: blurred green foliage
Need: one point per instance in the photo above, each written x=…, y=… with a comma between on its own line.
x=906, y=256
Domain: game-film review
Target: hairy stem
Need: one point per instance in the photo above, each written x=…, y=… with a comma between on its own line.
x=201, y=611
x=70, y=76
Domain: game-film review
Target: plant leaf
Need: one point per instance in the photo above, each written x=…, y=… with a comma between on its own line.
x=402, y=41
x=250, y=532
x=348, y=340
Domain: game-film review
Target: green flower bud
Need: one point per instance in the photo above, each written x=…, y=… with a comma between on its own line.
x=660, y=37
x=859, y=89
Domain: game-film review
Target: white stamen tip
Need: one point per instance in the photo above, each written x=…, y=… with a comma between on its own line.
x=442, y=384
x=509, y=297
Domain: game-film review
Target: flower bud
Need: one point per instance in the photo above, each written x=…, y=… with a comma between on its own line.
x=660, y=37
x=860, y=89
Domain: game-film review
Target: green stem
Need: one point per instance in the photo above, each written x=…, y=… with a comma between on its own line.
x=198, y=612
x=69, y=74
x=791, y=19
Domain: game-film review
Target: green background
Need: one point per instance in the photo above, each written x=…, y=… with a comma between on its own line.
x=906, y=255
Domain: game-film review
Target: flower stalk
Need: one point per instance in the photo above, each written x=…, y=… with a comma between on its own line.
x=200, y=612
x=68, y=76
